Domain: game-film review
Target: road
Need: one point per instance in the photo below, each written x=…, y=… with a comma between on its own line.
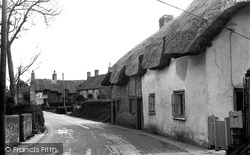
x=84, y=137
x=81, y=136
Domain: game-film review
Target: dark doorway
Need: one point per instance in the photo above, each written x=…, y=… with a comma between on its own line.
x=238, y=99
x=139, y=114
x=113, y=114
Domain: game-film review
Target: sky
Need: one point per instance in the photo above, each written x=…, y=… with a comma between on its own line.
x=88, y=35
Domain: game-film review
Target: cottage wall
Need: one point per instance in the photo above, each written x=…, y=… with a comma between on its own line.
x=208, y=79
x=106, y=91
x=131, y=90
x=83, y=93
x=53, y=96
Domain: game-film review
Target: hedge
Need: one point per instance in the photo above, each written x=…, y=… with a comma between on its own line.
x=56, y=104
x=94, y=110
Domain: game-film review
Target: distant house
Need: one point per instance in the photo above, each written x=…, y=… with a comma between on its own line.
x=190, y=69
x=92, y=88
x=51, y=90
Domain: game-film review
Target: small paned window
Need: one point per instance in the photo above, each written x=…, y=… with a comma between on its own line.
x=178, y=104
x=132, y=106
x=151, y=104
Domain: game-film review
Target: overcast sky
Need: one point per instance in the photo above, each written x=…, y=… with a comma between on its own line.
x=89, y=34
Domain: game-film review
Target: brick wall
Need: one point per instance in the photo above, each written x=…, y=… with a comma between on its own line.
x=12, y=130
x=25, y=126
x=132, y=90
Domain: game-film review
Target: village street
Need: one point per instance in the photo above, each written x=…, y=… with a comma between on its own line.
x=81, y=136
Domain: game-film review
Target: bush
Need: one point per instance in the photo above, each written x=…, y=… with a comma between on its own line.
x=80, y=98
x=35, y=110
x=90, y=96
x=94, y=110
x=56, y=104
x=61, y=110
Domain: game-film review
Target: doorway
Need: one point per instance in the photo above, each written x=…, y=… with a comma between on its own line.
x=238, y=99
x=113, y=112
x=139, y=114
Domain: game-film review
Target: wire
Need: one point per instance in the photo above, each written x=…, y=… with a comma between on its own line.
x=182, y=10
x=230, y=29
x=233, y=31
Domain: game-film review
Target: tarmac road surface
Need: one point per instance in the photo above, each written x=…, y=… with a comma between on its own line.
x=83, y=137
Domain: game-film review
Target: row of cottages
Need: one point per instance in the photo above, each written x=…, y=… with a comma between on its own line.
x=51, y=90
x=92, y=88
x=190, y=69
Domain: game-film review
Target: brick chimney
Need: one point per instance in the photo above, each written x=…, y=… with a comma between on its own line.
x=165, y=19
x=54, y=76
x=96, y=72
x=88, y=75
x=32, y=75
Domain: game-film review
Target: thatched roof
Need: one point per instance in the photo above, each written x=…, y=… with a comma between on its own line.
x=185, y=35
x=92, y=83
x=57, y=85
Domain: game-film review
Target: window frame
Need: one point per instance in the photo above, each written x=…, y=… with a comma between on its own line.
x=182, y=115
x=151, y=111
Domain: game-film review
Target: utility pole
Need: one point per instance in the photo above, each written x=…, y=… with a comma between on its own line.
x=3, y=75
x=64, y=92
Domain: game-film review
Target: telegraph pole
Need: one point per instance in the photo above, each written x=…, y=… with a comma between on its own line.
x=63, y=92
x=3, y=75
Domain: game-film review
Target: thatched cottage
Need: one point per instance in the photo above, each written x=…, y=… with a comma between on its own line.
x=51, y=90
x=92, y=88
x=190, y=69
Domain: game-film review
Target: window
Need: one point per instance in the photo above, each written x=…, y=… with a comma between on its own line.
x=151, y=104
x=45, y=92
x=118, y=106
x=132, y=106
x=178, y=104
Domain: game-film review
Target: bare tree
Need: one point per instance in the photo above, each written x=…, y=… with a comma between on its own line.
x=22, y=14
x=22, y=69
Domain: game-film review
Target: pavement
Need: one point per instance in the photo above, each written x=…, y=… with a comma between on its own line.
x=189, y=148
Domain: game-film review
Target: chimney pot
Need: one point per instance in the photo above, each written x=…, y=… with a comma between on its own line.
x=54, y=76
x=96, y=72
x=32, y=75
x=88, y=74
x=165, y=19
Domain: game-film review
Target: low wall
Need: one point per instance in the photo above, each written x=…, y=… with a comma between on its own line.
x=12, y=130
x=25, y=126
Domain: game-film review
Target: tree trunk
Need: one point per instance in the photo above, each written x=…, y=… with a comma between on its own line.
x=11, y=75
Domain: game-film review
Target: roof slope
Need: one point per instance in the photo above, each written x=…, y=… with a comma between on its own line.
x=185, y=35
x=92, y=82
x=48, y=84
